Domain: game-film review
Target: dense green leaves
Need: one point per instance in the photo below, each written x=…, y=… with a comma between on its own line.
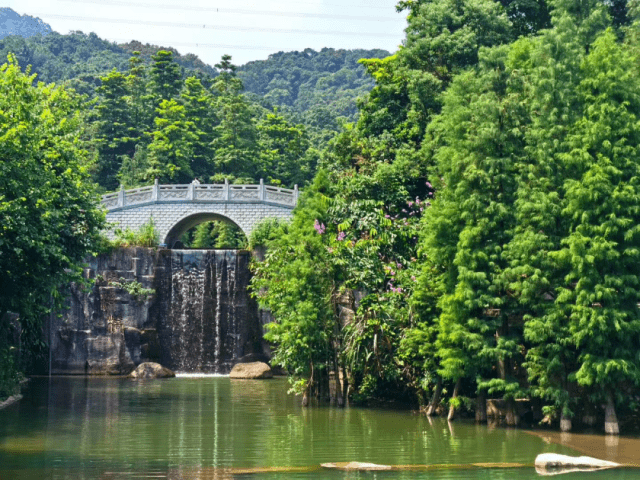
x=517, y=131
x=48, y=205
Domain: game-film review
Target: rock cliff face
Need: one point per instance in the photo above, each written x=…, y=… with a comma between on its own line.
x=199, y=317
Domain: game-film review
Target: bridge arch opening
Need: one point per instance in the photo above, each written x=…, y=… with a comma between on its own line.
x=206, y=230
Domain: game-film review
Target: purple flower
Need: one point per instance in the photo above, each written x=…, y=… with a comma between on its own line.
x=410, y=204
x=392, y=273
x=428, y=184
x=399, y=265
x=319, y=227
x=387, y=216
x=341, y=236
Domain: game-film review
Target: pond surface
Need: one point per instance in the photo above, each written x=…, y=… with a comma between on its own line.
x=216, y=428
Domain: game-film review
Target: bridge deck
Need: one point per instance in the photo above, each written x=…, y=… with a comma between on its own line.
x=201, y=193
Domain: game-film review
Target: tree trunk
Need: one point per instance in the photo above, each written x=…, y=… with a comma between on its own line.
x=511, y=417
x=565, y=422
x=338, y=383
x=345, y=387
x=452, y=408
x=435, y=399
x=309, y=390
x=611, y=426
x=589, y=417
x=481, y=407
x=324, y=392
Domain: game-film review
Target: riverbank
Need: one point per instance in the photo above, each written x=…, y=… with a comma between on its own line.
x=613, y=448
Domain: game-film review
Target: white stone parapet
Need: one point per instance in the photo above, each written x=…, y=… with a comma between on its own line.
x=175, y=208
x=214, y=193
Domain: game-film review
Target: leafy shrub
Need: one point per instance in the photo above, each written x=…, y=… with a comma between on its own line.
x=146, y=236
x=264, y=231
x=10, y=376
x=134, y=288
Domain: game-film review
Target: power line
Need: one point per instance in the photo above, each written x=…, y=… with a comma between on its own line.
x=217, y=27
x=237, y=10
x=201, y=45
x=367, y=7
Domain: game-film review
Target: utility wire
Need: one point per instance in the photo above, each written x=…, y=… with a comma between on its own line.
x=216, y=27
x=367, y=7
x=237, y=10
x=186, y=44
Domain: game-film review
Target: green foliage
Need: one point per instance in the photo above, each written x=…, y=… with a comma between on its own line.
x=134, y=288
x=48, y=205
x=314, y=88
x=264, y=231
x=215, y=234
x=516, y=131
x=146, y=236
x=193, y=132
x=10, y=375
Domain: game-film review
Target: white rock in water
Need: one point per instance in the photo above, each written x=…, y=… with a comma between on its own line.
x=555, y=464
x=356, y=466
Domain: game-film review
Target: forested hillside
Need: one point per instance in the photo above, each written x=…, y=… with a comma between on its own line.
x=317, y=89
x=80, y=59
x=317, y=86
x=12, y=23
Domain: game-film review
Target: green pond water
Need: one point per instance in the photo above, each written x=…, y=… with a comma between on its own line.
x=216, y=428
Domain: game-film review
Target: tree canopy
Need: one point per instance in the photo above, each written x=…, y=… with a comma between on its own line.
x=482, y=215
x=48, y=203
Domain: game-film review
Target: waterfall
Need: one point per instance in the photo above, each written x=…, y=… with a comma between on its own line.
x=204, y=326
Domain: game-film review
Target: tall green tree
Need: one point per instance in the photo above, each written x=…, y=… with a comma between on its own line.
x=114, y=127
x=199, y=109
x=165, y=76
x=236, y=136
x=284, y=151
x=48, y=204
x=171, y=151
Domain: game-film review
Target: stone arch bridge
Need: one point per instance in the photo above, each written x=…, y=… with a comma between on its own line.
x=177, y=208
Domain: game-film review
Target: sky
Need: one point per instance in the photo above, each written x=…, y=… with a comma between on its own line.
x=245, y=29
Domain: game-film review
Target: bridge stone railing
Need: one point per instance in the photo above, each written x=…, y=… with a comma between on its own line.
x=215, y=193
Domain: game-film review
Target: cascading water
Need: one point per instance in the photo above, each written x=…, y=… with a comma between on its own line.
x=206, y=311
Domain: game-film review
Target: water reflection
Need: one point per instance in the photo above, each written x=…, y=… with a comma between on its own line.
x=217, y=428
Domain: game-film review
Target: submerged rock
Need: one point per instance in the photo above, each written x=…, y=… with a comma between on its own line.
x=253, y=370
x=150, y=370
x=360, y=466
x=555, y=464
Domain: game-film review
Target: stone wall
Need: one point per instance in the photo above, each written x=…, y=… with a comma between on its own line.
x=106, y=330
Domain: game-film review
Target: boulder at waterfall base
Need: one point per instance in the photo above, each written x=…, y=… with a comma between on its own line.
x=253, y=370
x=150, y=370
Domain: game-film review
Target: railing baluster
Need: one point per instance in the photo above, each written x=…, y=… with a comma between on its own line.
x=155, y=193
